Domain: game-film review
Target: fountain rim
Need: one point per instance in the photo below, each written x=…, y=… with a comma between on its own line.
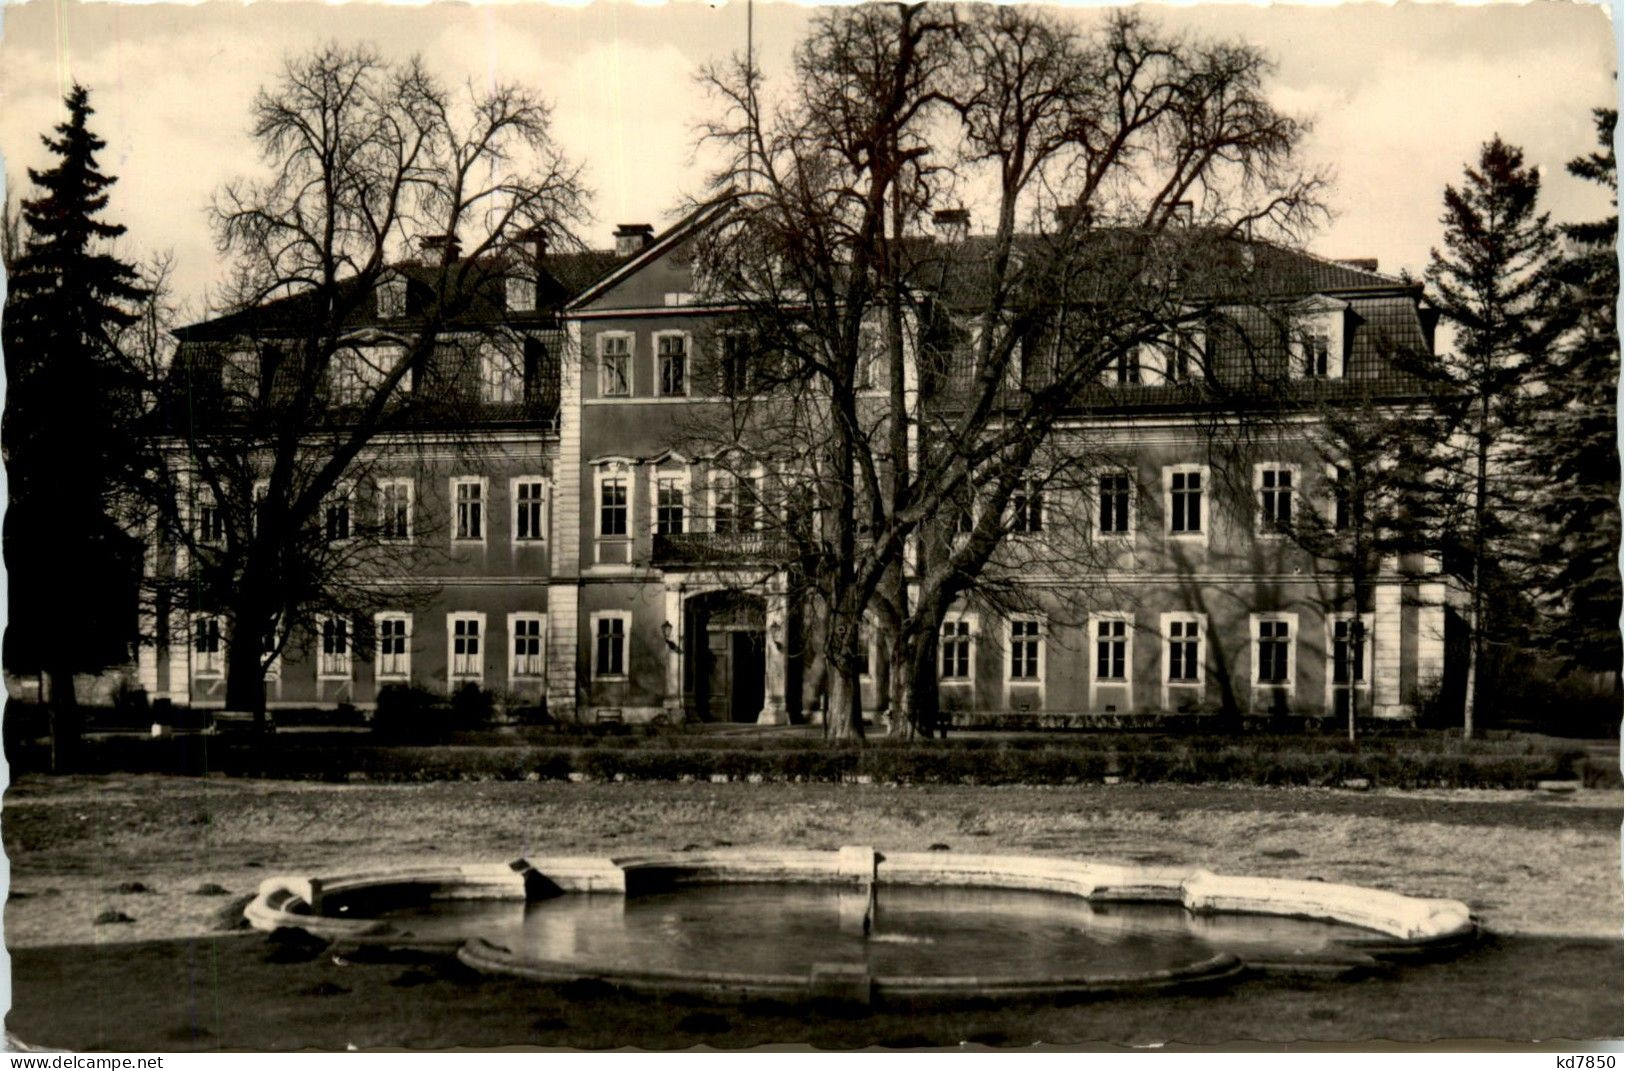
x=1400, y=925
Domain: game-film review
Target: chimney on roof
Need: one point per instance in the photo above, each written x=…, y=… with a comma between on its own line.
x=1362, y=263
x=1184, y=214
x=631, y=237
x=953, y=224
x=446, y=247
x=533, y=240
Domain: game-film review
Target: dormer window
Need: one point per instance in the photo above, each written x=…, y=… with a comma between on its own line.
x=521, y=295
x=391, y=297
x=1315, y=343
x=240, y=378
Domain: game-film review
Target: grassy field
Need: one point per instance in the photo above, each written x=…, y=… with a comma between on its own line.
x=174, y=854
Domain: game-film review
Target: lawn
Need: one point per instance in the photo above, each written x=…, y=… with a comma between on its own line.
x=174, y=855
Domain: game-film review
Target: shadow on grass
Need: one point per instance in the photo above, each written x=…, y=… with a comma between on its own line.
x=206, y=994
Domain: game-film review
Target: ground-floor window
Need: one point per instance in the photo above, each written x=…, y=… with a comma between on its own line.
x=527, y=645
x=467, y=655
x=956, y=657
x=334, y=658
x=609, y=645
x=394, y=656
x=207, y=650
x=1350, y=641
x=1184, y=650
x=1025, y=648
x=1111, y=649
x=1272, y=650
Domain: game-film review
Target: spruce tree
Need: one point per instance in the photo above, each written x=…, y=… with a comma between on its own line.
x=1574, y=450
x=1493, y=281
x=67, y=425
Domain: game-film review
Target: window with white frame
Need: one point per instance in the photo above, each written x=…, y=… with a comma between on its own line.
x=262, y=495
x=670, y=500
x=614, y=488
x=1182, y=354
x=1273, y=643
x=1027, y=508
x=609, y=644
x=529, y=509
x=526, y=632
x=1342, y=498
x=1315, y=340
x=395, y=508
x=614, y=366
x=1111, y=649
x=1350, y=649
x=502, y=376
x=394, y=658
x=735, y=349
x=336, y=515
x=671, y=358
x=1183, y=637
x=872, y=356
x=1187, y=507
x=333, y=658
x=1274, y=483
x=733, y=503
x=468, y=505
x=211, y=521
x=240, y=378
x=958, y=648
x=346, y=385
x=208, y=650
x=1116, y=517
x=1026, y=650
x=521, y=293
x=1125, y=370
x=465, y=636
x=391, y=298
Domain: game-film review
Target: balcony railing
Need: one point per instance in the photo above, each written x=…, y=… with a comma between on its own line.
x=721, y=548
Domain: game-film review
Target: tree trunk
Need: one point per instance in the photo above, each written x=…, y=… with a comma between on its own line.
x=920, y=688
x=844, y=719
x=65, y=723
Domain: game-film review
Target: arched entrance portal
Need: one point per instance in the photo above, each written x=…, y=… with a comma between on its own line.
x=725, y=663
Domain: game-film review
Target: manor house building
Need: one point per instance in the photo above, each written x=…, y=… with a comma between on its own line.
x=570, y=549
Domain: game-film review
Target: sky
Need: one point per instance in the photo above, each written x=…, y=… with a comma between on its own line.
x=1400, y=96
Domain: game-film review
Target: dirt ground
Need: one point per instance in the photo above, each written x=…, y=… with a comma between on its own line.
x=175, y=856
x=1526, y=863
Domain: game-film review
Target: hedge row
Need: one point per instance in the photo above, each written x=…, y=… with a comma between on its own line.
x=915, y=764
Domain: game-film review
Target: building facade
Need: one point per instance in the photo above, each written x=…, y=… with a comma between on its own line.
x=591, y=560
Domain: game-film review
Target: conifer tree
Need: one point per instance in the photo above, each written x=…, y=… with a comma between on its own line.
x=1574, y=451
x=67, y=423
x=1493, y=281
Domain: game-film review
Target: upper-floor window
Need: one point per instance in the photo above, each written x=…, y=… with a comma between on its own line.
x=395, y=509
x=1027, y=508
x=733, y=503
x=211, y=521
x=1274, y=484
x=240, y=378
x=391, y=298
x=468, y=498
x=1025, y=650
x=521, y=293
x=336, y=515
x=529, y=509
x=671, y=354
x=872, y=357
x=502, y=377
x=1116, y=497
x=1125, y=370
x=614, y=366
x=612, y=504
x=1182, y=355
x=734, y=363
x=334, y=658
x=1185, y=504
x=1315, y=340
x=1342, y=498
x=669, y=502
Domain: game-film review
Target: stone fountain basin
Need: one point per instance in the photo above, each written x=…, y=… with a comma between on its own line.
x=364, y=909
